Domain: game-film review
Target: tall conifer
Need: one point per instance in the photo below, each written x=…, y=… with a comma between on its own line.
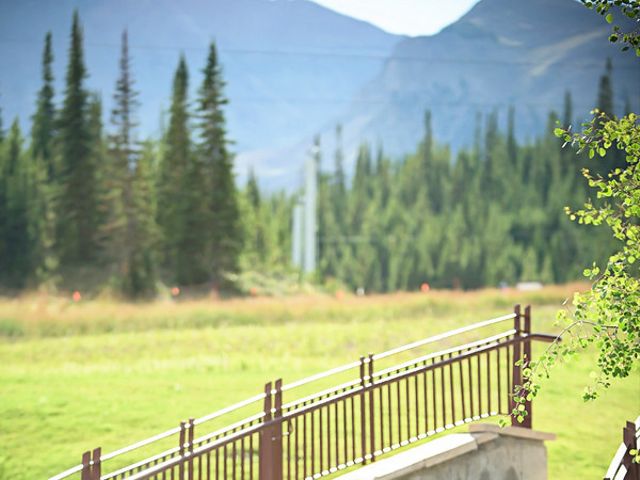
x=225, y=230
x=42, y=181
x=77, y=215
x=42, y=132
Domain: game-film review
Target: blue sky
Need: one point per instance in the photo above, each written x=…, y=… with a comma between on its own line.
x=408, y=17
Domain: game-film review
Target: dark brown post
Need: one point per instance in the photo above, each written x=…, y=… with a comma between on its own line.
x=517, y=372
x=96, y=468
x=363, y=414
x=276, y=433
x=265, y=455
x=86, y=466
x=192, y=427
x=629, y=440
x=181, y=441
x=527, y=422
x=372, y=435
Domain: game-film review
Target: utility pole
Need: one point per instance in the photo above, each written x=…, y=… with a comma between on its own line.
x=304, y=225
x=310, y=212
x=297, y=234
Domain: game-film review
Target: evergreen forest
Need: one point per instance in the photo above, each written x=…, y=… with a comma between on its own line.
x=88, y=205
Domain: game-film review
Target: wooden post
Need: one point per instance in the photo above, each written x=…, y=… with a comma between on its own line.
x=96, y=466
x=86, y=466
x=629, y=440
x=190, y=448
x=181, y=441
x=276, y=436
x=264, y=450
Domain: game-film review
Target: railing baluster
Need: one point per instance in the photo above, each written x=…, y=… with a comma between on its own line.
x=372, y=431
x=338, y=436
x=488, y=363
x=304, y=446
x=381, y=416
x=407, y=402
x=321, y=440
x=390, y=414
x=469, y=371
x=434, y=395
x=452, y=396
x=464, y=406
x=417, y=402
x=479, y=365
x=399, y=410
x=363, y=419
x=443, y=400
x=426, y=397
x=345, y=435
x=498, y=369
x=313, y=442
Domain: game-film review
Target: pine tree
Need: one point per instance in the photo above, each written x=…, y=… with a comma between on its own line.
x=117, y=171
x=512, y=144
x=183, y=209
x=176, y=150
x=567, y=115
x=1, y=128
x=253, y=191
x=77, y=214
x=605, y=91
x=225, y=232
x=605, y=103
x=141, y=275
x=14, y=193
x=43, y=185
x=126, y=224
x=42, y=132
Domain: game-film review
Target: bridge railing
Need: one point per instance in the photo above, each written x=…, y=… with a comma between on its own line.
x=622, y=466
x=346, y=416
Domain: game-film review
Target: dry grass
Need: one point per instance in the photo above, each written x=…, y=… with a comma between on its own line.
x=36, y=315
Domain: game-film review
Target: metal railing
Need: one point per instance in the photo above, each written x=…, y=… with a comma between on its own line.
x=622, y=466
x=346, y=416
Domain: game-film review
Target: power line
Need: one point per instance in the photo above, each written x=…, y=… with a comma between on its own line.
x=343, y=54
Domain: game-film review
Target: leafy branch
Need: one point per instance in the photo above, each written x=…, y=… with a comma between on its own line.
x=611, y=308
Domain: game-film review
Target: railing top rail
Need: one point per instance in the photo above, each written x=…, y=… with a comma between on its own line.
x=440, y=353
x=320, y=376
x=442, y=336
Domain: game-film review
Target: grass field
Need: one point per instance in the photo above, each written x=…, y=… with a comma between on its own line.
x=79, y=375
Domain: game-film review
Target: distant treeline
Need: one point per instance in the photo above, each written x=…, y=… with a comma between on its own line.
x=86, y=206
x=494, y=214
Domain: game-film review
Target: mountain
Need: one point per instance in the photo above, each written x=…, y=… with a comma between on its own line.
x=294, y=69
x=291, y=66
x=524, y=53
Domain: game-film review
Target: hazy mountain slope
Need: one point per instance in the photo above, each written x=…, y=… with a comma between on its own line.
x=282, y=59
x=501, y=53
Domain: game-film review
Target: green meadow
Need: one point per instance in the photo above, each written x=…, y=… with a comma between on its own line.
x=74, y=376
